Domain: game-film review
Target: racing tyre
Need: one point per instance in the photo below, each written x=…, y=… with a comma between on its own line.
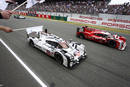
x=31, y=43
x=69, y=64
x=78, y=29
x=58, y=58
x=112, y=43
x=81, y=36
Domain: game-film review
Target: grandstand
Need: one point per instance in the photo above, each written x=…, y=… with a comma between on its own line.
x=93, y=7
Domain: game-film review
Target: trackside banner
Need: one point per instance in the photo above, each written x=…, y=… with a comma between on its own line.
x=112, y=23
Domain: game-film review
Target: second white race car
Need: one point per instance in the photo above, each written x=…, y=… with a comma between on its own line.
x=67, y=53
x=19, y=17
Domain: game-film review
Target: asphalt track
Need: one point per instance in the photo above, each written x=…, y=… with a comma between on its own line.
x=104, y=67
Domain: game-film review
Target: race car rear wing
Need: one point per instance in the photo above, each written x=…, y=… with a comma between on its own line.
x=34, y=29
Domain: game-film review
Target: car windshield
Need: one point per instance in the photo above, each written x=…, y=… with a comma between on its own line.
x=109, y=36
x=64, y=45
x=104, y=35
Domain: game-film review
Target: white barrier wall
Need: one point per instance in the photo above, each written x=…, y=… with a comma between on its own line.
x=107, y=20
x=100, y=22
x=121, y=17
x=112, y=21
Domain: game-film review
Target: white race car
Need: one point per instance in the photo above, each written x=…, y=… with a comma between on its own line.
x=19, y=17
x=67, y=53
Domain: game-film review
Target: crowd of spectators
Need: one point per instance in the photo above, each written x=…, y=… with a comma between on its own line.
x=80, y=7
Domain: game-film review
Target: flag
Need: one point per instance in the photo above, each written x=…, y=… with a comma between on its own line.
x=3, y=4
x=30, y=3
x=118, y=2
x=41, y=1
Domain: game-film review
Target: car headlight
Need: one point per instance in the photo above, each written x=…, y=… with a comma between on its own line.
x=71, y=57
x=85, y=52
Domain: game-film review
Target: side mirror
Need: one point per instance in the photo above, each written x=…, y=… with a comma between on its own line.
x=45, y=30
x=38, y=35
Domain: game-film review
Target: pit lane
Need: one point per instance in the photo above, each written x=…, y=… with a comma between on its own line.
x=104, y=67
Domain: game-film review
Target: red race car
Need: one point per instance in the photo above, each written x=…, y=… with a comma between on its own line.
x=101, y=36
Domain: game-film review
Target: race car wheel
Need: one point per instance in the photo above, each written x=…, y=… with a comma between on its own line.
x=58, y=58
x=31, y=43
x=112, y=43
x=69, y=63
x=78, y=29
x=81, y=36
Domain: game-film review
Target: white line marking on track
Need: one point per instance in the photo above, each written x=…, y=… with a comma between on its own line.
x=24, y=65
